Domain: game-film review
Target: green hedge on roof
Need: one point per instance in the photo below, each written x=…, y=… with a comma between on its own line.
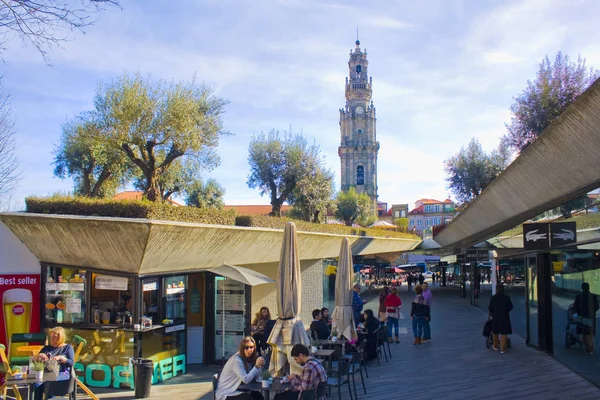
x=144, y=209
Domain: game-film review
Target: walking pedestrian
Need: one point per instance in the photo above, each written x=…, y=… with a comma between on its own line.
x=393, y=303
x=419, y=313
x=426, y=324
x=499, y=308
x=409, y=280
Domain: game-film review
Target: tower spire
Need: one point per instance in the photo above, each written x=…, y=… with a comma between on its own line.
x=357, y=41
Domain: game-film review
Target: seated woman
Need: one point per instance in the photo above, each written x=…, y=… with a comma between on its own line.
x=58, y=350
x=258, y=325
x=243, y=367
x=371, y=324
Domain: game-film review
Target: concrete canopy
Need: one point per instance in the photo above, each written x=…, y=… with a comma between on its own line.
x=558, y=166
x=147, y=247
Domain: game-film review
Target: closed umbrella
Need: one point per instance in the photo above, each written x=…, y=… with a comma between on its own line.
x=342, y=319
x=289, y=329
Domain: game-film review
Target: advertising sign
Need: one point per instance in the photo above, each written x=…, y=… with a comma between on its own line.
x=563, y=233
x=535, y=236
x=20, y=312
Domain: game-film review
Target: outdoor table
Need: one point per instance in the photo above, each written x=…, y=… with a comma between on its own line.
x=276, y=386
x=327, y=354
x=30, y=380
x=30, y=350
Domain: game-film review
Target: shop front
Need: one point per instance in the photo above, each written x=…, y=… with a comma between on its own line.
x=121, y=316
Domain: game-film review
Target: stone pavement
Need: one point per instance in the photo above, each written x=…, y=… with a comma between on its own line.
x=454, y=365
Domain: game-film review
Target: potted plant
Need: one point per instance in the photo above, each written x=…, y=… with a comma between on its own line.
x=334, y=335
x=265, y=377
x=38, y=369
x=314, y=346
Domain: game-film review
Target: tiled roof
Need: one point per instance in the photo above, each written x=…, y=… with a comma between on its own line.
x=137, y=195
x=255, y=209
x=418, y=210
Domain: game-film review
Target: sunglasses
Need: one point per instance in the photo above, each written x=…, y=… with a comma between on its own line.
x=249, y=348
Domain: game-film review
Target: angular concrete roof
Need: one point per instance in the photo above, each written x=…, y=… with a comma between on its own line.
x=560, y=165
x=149, y=247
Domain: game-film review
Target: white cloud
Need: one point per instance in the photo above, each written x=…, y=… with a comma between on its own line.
x=442, y=74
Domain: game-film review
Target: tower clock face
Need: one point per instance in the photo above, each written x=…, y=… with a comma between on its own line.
x=360, y=110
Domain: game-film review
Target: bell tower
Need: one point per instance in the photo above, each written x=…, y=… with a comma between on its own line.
x=359, y=146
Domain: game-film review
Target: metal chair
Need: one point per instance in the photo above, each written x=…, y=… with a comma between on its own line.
x=62, y=388
x=342, y=377
x=356, y=367
x=381, y=341
x=4, y=388
x=321, y=391
x=79, y=343
x=308, y=395
x=363, y=348
x=24, y=338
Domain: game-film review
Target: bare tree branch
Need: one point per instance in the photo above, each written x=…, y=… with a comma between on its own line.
x=44, y=24
x=9, y=165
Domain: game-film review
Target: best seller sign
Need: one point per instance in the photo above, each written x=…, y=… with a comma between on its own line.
x=20, y=311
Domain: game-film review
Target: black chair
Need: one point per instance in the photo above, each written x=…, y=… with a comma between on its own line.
x=215, y=382
x=321, y=391
x=363, y=348
x=308, y=395
x=356, y=367
x=381, y=341
x=62, y=388
x=342, y=377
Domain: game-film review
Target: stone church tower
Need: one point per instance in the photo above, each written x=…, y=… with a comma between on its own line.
x=359, y=145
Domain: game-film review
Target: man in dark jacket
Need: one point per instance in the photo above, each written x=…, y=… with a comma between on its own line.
x=585, y=306
x=318, y=329
x=499, y=308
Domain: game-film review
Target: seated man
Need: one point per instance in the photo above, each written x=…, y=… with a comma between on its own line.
x=318, y=329
x=313, y=373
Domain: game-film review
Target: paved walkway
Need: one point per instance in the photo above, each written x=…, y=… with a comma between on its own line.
x=454, y=365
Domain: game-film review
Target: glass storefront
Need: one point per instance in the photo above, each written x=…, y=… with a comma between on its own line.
x=119, y=316
x=575, y=295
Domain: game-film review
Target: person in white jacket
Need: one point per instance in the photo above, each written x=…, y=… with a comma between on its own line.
x=244, y=366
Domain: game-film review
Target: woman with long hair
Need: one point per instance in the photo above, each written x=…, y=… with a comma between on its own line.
x=244, y=366
x=57, y=350
x=261, y=318
x=371, y=326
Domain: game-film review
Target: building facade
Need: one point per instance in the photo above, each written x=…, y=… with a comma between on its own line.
x=429, y=213
x=359, y=146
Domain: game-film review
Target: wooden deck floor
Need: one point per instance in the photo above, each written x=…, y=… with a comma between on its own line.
x=454, y=365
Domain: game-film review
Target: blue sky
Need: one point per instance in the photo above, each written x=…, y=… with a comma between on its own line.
x=443, y=71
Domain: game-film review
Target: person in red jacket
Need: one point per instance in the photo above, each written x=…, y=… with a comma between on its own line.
x=392, y=304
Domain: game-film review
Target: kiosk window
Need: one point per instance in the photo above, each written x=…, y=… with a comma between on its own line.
x=175, y=297
x=111, y=300
x=65, y=295
x=151, y=299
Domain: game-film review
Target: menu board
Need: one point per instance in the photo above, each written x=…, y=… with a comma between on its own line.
x=107, y=282
x=229, y=317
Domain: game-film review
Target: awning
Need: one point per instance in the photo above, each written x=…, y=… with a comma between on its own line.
x=147, y=247
x=241, y=274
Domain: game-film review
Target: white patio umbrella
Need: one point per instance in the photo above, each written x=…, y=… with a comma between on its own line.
x=289, y=329
x=342, y=319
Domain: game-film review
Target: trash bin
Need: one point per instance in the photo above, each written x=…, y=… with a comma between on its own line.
x=142, y=377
